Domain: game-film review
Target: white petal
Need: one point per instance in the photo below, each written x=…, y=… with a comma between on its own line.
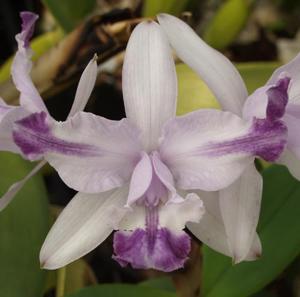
x=85, y=223
x=185, y=149
x=90, y=153
x=291, y=69
x=149, y=81
x=293, y=125
x=16, y=187
x=215, y=69
x=174, y=216
x=211, y=231
x=21, y=67
x=240, y=208
x=85, y=87
x=289, y=159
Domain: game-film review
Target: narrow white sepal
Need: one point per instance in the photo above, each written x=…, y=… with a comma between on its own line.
x=85, y=87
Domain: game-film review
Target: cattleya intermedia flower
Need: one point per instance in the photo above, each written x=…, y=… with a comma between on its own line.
x=30, y=100
x=143, y=175
x=239, y=203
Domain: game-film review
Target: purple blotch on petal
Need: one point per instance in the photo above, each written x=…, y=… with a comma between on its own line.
x=278, y=99
x=266, y=139
x=271, y=138
x=169, y=252
x=34, y=137
x=28, y=21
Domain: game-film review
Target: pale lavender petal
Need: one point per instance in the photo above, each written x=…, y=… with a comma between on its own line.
x=240, y=208
x=256, y=104
x=215, y=69
x=211, y=230
x=165, y=176
x=169, y=252
x=149, y=81
x=140, y=180
x=4, y=109
x=90, y=153
x=16, y=187
x=21, y=67
x=209, y=149
x=85, y=87
x=292, y=69
x=85, y=223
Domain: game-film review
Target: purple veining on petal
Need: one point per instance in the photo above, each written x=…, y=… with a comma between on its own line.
x=266, y=139
x=28, y=21
x=278, y=99
x=33, y=136
x=169, y=252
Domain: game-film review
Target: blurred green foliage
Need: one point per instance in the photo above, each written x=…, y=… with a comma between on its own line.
x=153, y=7
x=163, y=283
x=120, y=290
x=279, y=231
x=194, y=94
x=23, y=227
x=227, y=23
x=69, y=13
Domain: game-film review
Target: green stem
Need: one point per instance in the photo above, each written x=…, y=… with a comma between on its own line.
x=61, y=279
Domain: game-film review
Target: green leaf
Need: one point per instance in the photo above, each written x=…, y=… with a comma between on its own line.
x=194, y=94
x=227, y=23
x=69, y=13
x=23, y=227
x=279, y=230
x=164, y=283
x=120, y=290
x=154, y=7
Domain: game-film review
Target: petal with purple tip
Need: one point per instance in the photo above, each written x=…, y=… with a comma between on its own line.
x=105, y=151
x=209, y=149
x=291, y=69
x=268, y=102
x=21, y=67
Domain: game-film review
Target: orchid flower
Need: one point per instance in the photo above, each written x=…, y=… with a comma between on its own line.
x=236, y=208
x=30, y=100
x=133, y=175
